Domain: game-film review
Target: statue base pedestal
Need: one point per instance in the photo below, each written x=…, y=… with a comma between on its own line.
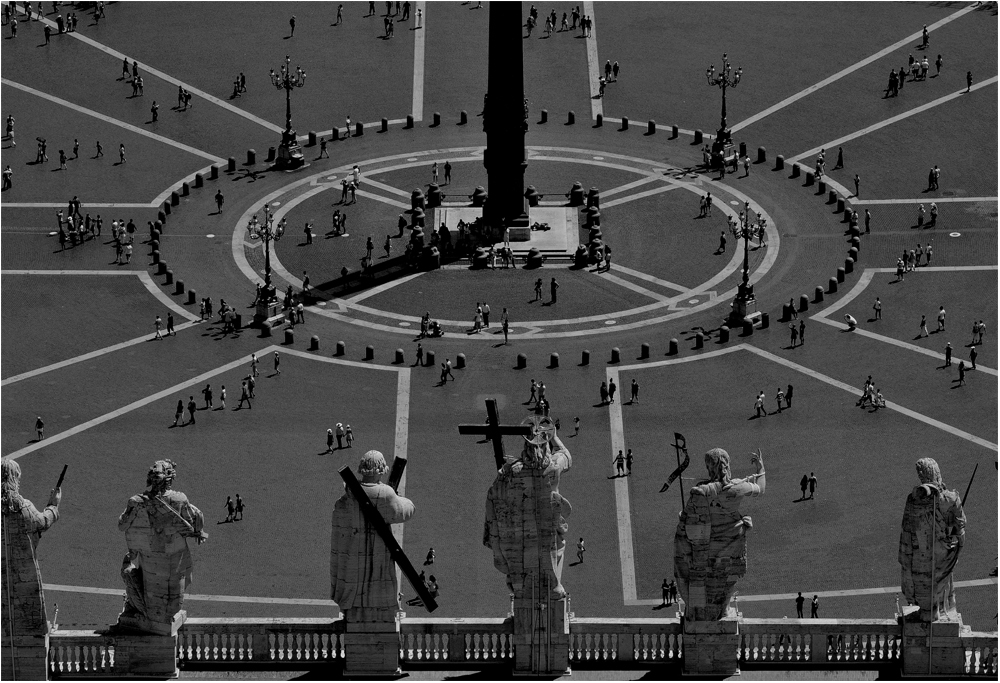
x=932, y=649
x=144, y=625
x=712, y=648
x=25, y=658
x=541, y=637
x=267, y=312
x=147, y=656
x=371, y=648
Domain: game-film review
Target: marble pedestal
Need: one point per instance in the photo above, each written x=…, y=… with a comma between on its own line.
x=932, y=649
x=561, y=239
x=25, y=658
x=711, y=648
x=541, y=637
x=371, y=648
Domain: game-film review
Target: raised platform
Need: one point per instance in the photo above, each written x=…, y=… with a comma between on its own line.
x=561, y=239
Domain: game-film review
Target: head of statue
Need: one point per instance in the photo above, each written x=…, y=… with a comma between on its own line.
x=372, y=466
x=538, y=447
x=161, y=476
x=11, y=481
x=717, y=463
x=929, y=472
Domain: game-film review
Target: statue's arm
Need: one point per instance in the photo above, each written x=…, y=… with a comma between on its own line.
x=131, y=510
x=39, y=521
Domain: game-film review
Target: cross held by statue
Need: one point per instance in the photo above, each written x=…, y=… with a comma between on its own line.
x=494, y=431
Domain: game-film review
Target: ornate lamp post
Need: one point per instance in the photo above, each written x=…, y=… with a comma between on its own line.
x=266, y=231
x=289, y=152
x=724, y=79
x=745, y=303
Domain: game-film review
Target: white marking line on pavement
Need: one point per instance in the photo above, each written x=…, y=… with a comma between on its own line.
x=170, y=79
x=889, y=121
x=650, y=278
x=385, y=200
x=361, y=296
x=593, y=65
x=117, y=592
x=634, y=287
x=923, y=200
x=850, y=592
x=419, y=38
x=627, y=186
x=639, y=195
x=115, y=122
x=891, y=405
x=194, y=381
x=88, y=205
x=854, y=67
x=622, y=503
x=387, y=188
x=863, y=283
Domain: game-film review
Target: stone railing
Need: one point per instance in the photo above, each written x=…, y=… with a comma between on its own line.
x=597, y=643
x=432, y=643
x=450, y=642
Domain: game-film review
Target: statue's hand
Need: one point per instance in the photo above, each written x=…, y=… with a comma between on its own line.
x=55, y=496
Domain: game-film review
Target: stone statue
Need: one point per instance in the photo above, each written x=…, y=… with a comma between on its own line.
x=362, y=573
x=932, y=537
x=526, y=515
x=23, y=524
x=710, y=547
x=158, y=567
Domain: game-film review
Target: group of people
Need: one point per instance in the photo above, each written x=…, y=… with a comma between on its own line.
x=342, y=433
x=234, y=510
x=552, y=20
x=910, y=260
x=918, y=69
x=870, y=396
x=783, y=399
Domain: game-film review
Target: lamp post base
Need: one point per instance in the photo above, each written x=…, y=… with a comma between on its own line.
x=289, y=155
x=744, y=309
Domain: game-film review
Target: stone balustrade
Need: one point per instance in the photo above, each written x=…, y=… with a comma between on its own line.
x=432, y=643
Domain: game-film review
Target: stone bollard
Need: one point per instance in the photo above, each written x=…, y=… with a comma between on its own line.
x=251, y=157
x=166, y=208
x=651, y=127
x=841, y=274
x=192, y=297
x=761, y=155
x=231, y=165
x=779, y=162
x=672, y=347
x=644, y=351
x=616, y=355
x=723, y=334
x=179, y=288
x=818, y=296
x=433, y=196
x=359, y=129
x=624, y=123
x=289, y=337
x=312, y=138
x=437, y=119
x=463, y=117
x=747, y=328
x=399, y=357
x=544, y=117
x=821, y=187
x=786, y=312
x=460, y=361
x=272, y=154
x=154, y=245
x=832, y=198
x=409, y=121
x=699, y=340
x=213, y=174
x=832, y=287
x=698, y=136
x=175, y=199
x=162, y=268
x=576, y=194
x=847, y=213
x=385, y=125
x=674, y=132
x=840, y=204
x=743, y=149
x=199, y=180
x=585, y=357
x=314, y=343
x=554, y=360
x=161, y=217
x=429, y=359
x=765, y=320
x=848, y=265
x=856, y=243
x=853, y=254
x=155, y=256
x=265, y=329
x=594, y=198
x=185, y=189
x=341, y=349
x=810, y=178
x=571, y=118
x=417, y=200
x=522, y=361
x=599, y=121
x=803, y=303
x=796, y=170
x=369, y=352
x=238, y=321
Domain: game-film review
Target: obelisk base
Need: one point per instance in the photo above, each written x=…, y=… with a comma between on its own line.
x=712, y=648
x=932, y=649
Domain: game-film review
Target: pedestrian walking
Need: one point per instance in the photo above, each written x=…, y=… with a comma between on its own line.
x=799, y=604
x=349, y=436
x=244, y=396
x=804, y=485
x=940, y=319
x=814, y=607
x=619, y=461
x=968, y=81
x=576, y=426
x=612, y=388
x=553, y=288
x=635, y=391
x=447, y=173
x=538, y=289
x=341, y=432
x=179, y=412
x=961, y=372
x=580, y=550
x=788, y=396
x=277, y=363
x=972, y=356
x=447, y=371
x=938, y=63
x=240, y=506
x=329, y=441
x=158, y=323
x=222, y=397
x=192, y=408
x=923, y=326
x=39, y=427
x=947, y=354
x=758, y=405
x=857, y=185
x=291, y=23
x=628, y=462
x=170, y=325
x=779, y=398
x=604, y=393
x=429, y=559
x=795, y=334
x=207, y=393
x=230, y=508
